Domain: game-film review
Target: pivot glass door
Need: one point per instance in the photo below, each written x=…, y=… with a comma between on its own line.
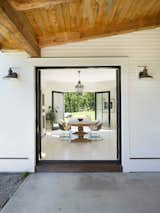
x=58, y=105
x=102, y=107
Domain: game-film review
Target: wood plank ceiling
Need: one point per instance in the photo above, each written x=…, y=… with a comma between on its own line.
x=32, y=24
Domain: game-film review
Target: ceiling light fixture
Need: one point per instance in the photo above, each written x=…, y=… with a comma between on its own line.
x=11, y=74
x=144, y=73
x=79, y=86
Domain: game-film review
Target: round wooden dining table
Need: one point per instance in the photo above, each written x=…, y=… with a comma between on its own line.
x=80, y=133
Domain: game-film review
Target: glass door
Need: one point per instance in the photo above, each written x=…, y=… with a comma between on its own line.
x=58, y=105
x=102, y=107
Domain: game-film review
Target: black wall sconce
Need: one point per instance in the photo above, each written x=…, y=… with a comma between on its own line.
x=144, y=73
x=11, y=74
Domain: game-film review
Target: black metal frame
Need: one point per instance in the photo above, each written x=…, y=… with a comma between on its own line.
x=109, y=109
x=53, y=98
x=38, y=116
x=118, y=102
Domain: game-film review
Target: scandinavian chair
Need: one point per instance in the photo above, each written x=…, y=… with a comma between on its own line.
x=65, y=127
x=95, y=128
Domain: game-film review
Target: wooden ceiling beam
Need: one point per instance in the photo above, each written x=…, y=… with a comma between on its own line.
x=22, y=5
x=18, y=25
x=97, y=32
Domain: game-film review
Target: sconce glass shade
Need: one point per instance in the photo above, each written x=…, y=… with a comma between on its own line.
x=79, y=87
x=144, y=73
x=11, y=75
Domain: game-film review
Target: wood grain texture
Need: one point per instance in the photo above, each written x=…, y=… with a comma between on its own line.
x=58, y=22
x=15, y=27
x=63, y=38
x=22, y=5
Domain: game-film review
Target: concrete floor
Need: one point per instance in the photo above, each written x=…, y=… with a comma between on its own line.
x=9, y=183
x=87, y=192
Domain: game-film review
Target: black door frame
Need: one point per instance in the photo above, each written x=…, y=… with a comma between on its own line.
x=38, y=114
x=109, y=107
x=53, y=92
x=101, y=163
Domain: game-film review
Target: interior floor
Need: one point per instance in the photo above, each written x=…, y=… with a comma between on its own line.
x=54, y=148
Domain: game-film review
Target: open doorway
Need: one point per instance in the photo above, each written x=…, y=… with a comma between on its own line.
x=75, y=105
x=91, y=118
x=91, y=105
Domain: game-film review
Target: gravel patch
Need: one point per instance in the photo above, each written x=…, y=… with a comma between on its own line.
x=9, y=183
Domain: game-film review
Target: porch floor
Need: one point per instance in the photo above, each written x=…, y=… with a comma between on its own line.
x=87, y=192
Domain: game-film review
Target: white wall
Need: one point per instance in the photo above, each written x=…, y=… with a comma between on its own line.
x=17, y=115
x=140, y=99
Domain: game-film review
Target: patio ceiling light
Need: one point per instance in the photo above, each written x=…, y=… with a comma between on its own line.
x=11, y=74
x=79, y=86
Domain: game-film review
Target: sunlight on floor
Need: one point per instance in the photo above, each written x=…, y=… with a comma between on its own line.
x=54, y=148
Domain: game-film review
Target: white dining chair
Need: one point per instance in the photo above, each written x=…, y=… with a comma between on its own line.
x=94, y=130
x=66, y=128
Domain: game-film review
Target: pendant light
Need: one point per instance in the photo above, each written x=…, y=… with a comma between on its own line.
x=79, y=86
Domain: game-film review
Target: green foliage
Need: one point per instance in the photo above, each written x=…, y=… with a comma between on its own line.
x=75, y=102
x=50, y=114
x=25, y=174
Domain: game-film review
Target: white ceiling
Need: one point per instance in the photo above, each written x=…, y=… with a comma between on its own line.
x=71, y=75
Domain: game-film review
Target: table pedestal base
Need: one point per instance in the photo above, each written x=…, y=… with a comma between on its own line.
x=80, y=140
x=81, y=134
